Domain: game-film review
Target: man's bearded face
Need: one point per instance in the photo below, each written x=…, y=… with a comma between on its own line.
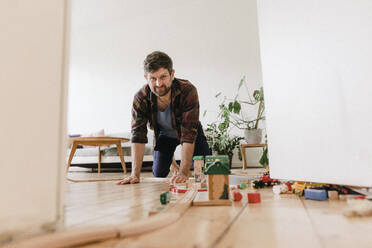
x=160, y=81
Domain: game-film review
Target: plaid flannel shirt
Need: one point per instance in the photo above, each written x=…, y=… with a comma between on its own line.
x=185, y=112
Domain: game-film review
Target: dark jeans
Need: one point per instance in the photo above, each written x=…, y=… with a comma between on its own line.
x=164, y=151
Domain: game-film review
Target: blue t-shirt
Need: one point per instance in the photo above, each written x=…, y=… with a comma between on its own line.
x=165, y=123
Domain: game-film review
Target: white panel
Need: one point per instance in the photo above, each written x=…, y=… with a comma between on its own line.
x=32, y=110
x=316, y=64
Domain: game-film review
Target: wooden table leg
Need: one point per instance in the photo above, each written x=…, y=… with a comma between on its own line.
x=121, y=155
x=242, y=149
x=99, y=159
x=72, y=152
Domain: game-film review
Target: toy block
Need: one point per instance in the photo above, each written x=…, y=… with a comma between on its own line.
x=332, y=195
x=242, y=186
x=316, y=194
x=237, y=196
x=198, y=168
x=298, y=188
x=254, y=197
x=165, y=198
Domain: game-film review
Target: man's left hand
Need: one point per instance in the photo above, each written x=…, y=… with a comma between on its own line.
x=179, y=178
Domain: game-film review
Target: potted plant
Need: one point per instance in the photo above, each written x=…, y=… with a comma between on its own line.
x=218, y=134
x=253, y=134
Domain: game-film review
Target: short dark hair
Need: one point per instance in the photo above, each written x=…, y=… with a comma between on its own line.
x=156, y=60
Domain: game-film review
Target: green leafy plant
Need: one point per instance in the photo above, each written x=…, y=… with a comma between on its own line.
x=242, y=122
x=230, y=115
x=235, y=107
x=218, y=134
x=264, y=160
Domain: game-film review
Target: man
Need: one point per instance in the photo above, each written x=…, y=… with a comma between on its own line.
x=171, y=108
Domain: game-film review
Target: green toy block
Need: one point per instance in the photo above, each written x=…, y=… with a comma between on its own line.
x=165, y=198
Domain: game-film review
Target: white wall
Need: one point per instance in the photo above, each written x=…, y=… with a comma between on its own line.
x=316, y=63
x=213, y=44
x=32, y=114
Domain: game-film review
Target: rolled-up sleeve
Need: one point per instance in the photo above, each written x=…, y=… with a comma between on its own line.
x=190, y=115
x=139, y=119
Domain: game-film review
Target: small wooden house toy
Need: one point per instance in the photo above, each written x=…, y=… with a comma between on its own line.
x=217, y=169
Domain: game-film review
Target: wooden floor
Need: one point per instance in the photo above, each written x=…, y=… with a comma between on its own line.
x=278, y=221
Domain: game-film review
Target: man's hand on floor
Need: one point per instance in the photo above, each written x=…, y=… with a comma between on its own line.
x=174, y=168
x=129, y=180
x=179, y=178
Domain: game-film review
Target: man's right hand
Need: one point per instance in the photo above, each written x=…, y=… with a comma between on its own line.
x=131, y=179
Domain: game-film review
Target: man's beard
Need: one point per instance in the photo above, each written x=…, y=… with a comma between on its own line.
x=162, y=93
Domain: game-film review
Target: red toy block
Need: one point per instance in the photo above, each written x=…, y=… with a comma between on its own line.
x=254, y=197
x=360, y=197
x=176, y=190
x=237, y=196
x=289, y=185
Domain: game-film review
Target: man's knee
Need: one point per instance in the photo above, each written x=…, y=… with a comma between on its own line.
x=161, y=164
x=159, y=173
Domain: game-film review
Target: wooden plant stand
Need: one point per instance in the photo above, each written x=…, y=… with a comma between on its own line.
x=243, y=147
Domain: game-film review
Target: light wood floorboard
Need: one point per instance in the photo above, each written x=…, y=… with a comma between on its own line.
x=278, y=221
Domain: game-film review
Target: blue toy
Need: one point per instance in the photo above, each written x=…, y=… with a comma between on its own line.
x=316, y=194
